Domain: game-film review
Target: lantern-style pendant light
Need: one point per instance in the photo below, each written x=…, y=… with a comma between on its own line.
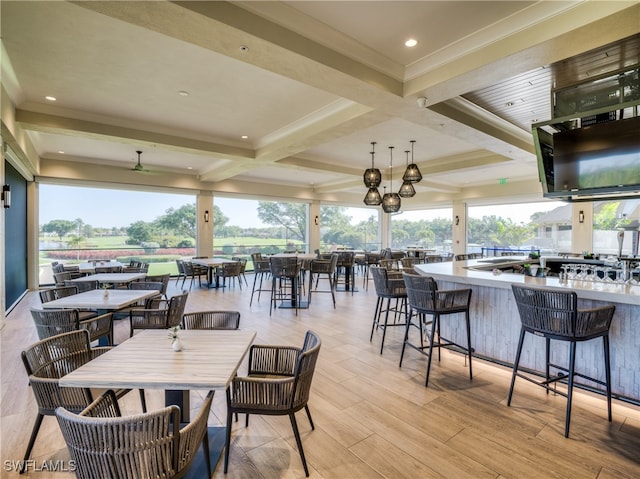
x=372, y=198
x=407, y=190
x=372, y=176
x=391, y=201
x=412, y=173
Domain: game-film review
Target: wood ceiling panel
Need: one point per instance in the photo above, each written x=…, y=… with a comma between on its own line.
x=526, y=98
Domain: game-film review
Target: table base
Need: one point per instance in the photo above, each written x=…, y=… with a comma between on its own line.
x=289, y=305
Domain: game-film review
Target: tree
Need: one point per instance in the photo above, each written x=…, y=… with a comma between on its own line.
x=182, y=221
x=291, y=216
x=59, y=227
x=139, y=232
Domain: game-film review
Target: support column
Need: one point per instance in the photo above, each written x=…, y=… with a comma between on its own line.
x=313, y=233
x=459, y=228
x=204, y=224
x=582, y=233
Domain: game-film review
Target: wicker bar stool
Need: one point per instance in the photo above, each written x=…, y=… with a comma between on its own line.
x=555, y=315
x=389, y=286
x=425, y=300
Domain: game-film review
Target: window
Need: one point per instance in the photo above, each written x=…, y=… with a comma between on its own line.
x=242, y=227
x=429, y=229
x=78, y=224
x=519, y=227
x=350, y=228
x=614, y=219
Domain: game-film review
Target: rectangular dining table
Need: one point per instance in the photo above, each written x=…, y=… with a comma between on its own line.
x=211, y=264
x=111, y=278
x=209, y=360
x=97, y=300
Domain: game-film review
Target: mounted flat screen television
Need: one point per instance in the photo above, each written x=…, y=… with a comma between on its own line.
x=598, y=161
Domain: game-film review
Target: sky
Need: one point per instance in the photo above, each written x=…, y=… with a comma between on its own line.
x=119, y=208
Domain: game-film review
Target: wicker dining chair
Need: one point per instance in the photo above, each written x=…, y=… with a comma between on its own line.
x=277, y=384
x=428, y=304
x=211, y=320
x=243, y=267
x=50, y=322
x=46, y=362
x=158, y=318
x=103, y=443
x=51, y=294
x=232, y=271
x=555, y=315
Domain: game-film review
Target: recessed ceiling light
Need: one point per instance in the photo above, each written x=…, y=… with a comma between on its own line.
x=412, y=42
x=189, y=167
x=183, y=93
x=61, y=152
x=244, y=137
x=244, y=48
x=50, y=98
x=509, y=103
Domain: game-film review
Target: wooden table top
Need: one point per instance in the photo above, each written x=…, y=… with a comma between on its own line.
x=95, y=299
x=211, y=261
x=208, y=360
x=112, y=277
x=91, y=265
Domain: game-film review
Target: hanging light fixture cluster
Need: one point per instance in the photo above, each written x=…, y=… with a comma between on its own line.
x=372, y=179
x=390, y=202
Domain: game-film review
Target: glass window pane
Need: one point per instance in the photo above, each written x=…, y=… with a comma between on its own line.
x=78, y=224
x=242, y=227
x=499, y=229
x=615, y=227
x=350, y=228
x=429, y=229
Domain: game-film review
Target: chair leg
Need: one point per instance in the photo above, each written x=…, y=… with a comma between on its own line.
x=253, y=290
x=572, y=365
x=515, y=365
x=376, y=316
x=607, y=373
x=406, y=335
x=386, y=321
x=469, y=343
x=547, y=356
x=306, y=408
x=32, y=440
x=296, y=433
x=434, y=322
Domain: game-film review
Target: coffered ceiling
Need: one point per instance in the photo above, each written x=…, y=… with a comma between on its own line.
x=310, y=84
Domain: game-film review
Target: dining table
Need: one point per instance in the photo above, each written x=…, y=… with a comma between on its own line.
x=211, y=264
x=90, y=266
x=208, y=360
x=100, y=300
x=111, y=278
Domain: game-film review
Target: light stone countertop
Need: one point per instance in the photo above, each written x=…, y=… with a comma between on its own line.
x=462, y=272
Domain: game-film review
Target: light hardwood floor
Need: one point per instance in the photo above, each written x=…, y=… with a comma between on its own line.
x=373, y=419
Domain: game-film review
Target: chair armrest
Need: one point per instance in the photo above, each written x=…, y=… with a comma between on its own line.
x=265, y=394
x=594, y=320
x=273, y=360
x=49, y=395
x=99, y=351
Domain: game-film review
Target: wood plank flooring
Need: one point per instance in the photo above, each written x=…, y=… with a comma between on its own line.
x=373, y=419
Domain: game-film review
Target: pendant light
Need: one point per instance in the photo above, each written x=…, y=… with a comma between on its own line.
x=391, y=201
x=372, y=198
x=407, y=190
x=372, y=176
x=412, y=173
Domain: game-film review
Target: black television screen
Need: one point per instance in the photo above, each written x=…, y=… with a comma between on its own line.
x=599, y=159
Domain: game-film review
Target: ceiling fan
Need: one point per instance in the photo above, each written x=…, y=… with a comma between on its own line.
x=138, y=167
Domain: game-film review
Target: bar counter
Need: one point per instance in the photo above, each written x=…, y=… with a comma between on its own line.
x=495, y=323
